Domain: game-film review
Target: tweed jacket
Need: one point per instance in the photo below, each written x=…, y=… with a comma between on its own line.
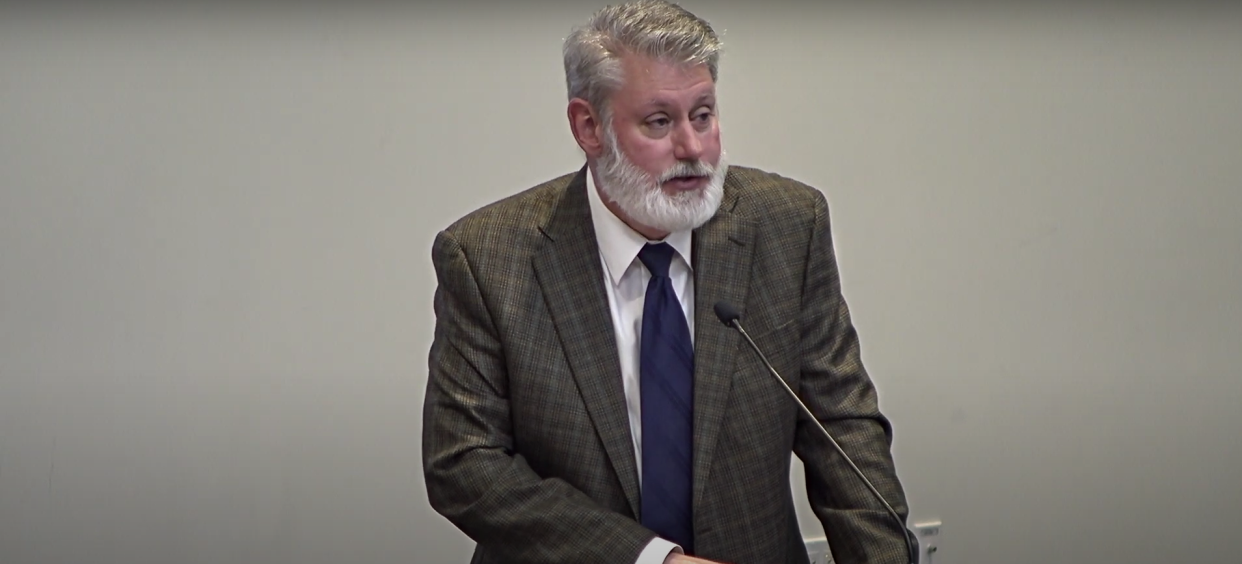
x=526, y=443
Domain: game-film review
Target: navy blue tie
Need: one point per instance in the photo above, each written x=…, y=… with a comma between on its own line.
x=666, y=383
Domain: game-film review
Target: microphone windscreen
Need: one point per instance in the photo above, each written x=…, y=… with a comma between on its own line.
x=727, y=313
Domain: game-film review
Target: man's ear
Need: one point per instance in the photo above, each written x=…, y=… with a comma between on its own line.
x=585, y=125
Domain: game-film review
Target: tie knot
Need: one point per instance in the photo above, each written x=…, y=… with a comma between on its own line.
x=656, y=257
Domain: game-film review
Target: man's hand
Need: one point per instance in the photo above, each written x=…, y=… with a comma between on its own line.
x=676, y=558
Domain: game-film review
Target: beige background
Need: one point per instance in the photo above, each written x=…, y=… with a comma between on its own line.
x=215, y=284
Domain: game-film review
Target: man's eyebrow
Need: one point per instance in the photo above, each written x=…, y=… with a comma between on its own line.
x=658, y=102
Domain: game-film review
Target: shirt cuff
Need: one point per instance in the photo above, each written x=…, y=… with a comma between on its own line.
x=657, y=550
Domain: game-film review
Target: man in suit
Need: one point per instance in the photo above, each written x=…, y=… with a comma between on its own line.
x=584, y=404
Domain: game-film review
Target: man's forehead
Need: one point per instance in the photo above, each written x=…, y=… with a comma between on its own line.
x=664, y=100
x=653, y=81
x=642, y=67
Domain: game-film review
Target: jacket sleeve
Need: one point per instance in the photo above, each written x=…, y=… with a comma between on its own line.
x=839, y=392
x=473, y=475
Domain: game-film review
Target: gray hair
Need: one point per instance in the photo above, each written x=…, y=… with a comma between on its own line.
x=652, y=28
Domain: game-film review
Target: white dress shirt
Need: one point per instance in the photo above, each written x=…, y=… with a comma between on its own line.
x=625, y=279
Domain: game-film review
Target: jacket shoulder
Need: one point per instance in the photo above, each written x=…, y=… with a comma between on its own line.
x=512, y=221
x=764, y=196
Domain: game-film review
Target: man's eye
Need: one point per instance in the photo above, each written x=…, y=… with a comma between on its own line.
x=658, y=122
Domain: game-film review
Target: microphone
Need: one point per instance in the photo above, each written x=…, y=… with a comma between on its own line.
x=729, y=315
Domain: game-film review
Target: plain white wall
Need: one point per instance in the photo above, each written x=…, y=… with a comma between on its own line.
x=215, y=283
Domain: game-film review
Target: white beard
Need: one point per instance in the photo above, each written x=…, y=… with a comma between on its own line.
x=642, y=198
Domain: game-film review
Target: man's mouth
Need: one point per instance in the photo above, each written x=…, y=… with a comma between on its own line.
x=686, y=182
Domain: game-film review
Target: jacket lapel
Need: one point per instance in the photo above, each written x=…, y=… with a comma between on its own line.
x=570, y=274
x=723, y=249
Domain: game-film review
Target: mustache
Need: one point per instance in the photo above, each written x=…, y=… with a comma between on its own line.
x=687, y=168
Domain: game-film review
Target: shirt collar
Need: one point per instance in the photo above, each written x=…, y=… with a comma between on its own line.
x=619, y=243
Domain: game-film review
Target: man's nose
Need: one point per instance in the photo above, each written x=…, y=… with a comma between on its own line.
x=686, y=143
